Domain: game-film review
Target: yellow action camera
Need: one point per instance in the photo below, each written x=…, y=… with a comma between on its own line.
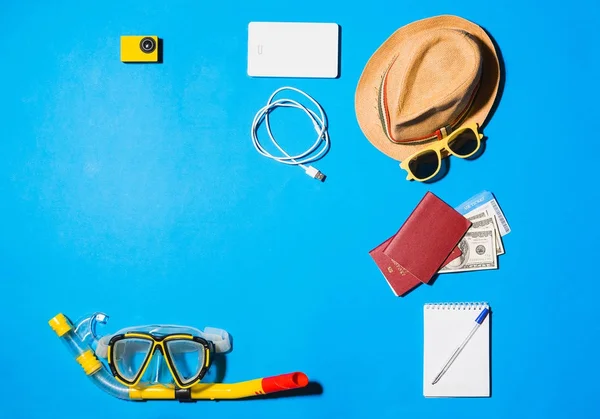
x=139, y=49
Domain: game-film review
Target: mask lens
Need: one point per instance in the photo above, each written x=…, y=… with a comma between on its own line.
x=129, y=356
x=187, y=357
x=156, y=371
x=424, y=165
x=464, y=144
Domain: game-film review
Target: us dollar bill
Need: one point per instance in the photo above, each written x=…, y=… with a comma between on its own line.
x=478, y=252
x=478, y=215
x=486, y=224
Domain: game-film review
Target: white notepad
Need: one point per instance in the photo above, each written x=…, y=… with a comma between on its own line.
x=446, y=326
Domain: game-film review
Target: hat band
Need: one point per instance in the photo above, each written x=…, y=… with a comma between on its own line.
x=384, y=114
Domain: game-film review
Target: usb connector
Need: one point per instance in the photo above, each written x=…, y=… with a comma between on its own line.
x=315, y=173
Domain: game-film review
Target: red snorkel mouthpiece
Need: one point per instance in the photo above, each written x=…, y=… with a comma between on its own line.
x=284, y=382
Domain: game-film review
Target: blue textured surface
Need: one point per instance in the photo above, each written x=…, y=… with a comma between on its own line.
x=134, y=190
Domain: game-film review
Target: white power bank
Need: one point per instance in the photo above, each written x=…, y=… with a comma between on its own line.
x=286, y=49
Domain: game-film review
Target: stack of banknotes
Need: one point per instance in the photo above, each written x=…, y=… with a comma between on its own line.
x=482, y=244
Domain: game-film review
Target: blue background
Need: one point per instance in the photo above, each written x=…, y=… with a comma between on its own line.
x=135, y=190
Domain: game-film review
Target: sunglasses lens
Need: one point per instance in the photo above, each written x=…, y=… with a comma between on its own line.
x=464, y=144
x=424, y=165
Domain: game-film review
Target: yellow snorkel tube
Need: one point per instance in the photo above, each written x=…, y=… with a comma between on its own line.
x=79, y=338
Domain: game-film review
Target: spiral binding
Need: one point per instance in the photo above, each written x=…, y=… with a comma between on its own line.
x=456, y=306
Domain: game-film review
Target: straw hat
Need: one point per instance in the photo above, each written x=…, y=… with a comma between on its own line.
x=428, y=78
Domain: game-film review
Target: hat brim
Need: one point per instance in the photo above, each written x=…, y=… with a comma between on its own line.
x=366, y=98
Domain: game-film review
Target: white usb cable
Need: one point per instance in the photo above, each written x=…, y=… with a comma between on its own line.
x=314, y=153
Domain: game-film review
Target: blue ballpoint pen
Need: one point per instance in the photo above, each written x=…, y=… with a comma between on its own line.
x=458, y=350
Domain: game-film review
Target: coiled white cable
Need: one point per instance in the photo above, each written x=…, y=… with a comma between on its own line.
x=314, y=153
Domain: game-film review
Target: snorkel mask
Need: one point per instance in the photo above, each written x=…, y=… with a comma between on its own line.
x=159, y=362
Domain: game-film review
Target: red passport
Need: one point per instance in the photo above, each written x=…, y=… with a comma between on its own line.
x=427, y=238
x=400, y=280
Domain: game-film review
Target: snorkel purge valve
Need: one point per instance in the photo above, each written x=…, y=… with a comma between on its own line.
x=132, y=352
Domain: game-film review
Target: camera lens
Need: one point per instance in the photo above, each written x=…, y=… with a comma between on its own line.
x=147, y=45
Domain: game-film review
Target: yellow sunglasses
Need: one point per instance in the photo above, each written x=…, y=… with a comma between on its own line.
x=425, y=164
